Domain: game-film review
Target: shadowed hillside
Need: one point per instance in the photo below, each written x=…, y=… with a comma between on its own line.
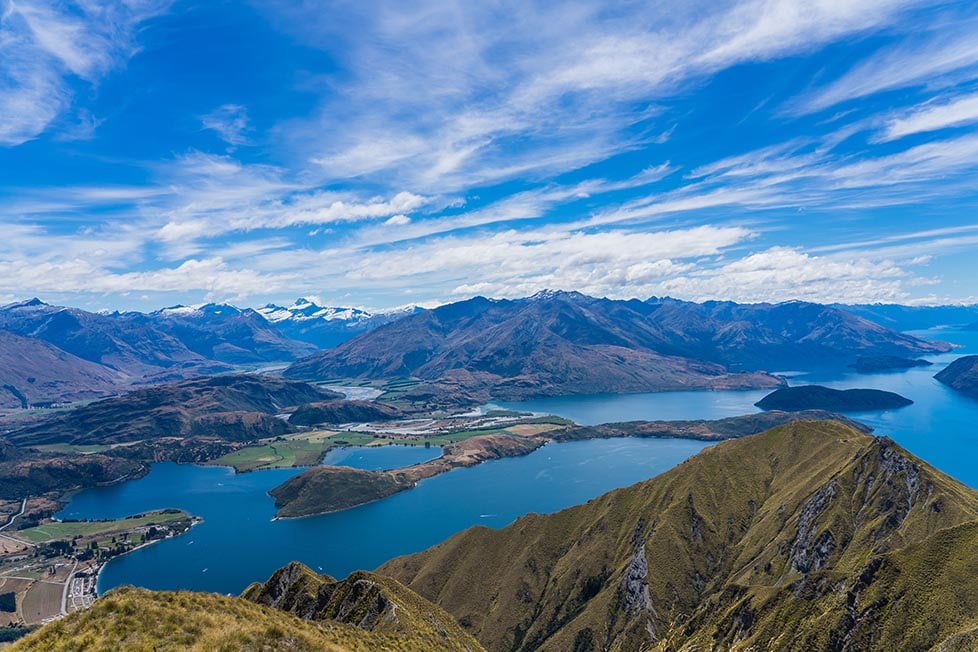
x=236, y=407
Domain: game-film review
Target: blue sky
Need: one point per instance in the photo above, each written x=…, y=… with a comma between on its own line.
x=386, y=153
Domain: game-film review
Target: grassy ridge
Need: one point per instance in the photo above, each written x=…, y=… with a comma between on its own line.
x=137, y=620
x=793, y=539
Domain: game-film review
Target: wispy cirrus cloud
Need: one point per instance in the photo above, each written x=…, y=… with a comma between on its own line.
x=933, y=116
x=939, y=60
x=534, y=89
x=230, y=122
x=43, y=44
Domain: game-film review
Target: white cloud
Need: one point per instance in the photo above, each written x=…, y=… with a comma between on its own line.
x=784, y=274
x=230, y=121
x=900, y=66
x=43, y=43
x=932, y=116
x=469, y=94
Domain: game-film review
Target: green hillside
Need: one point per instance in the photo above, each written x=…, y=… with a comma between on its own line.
x=811, y=536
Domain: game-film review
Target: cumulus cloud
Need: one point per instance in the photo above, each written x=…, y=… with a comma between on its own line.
x=784, y=274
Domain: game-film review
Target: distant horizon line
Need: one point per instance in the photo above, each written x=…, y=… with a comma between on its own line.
x=431, y=305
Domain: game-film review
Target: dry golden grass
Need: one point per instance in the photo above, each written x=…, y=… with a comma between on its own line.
x=137, y=620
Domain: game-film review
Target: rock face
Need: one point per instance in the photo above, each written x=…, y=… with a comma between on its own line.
x=962, y=375
x=811, y=536
x=235, y=407
x=816, y=397
x=367, y=601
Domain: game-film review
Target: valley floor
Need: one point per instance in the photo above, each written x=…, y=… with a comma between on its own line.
x=51, y=569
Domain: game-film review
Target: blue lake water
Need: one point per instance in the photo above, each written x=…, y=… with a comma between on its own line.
x=380, y=458
x=239, y=543
x=941, y=426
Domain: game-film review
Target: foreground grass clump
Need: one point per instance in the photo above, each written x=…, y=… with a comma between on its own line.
x=136, y=619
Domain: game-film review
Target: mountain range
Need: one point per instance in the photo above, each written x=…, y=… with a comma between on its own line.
x=909, y=318
x=552, y=343
x=810, y=536
x=55, y=354
x=567, y=343
x=326, y=327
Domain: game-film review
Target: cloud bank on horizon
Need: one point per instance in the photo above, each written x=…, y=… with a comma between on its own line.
x=380, y=153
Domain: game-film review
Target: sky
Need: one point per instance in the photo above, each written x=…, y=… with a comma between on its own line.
x=379, y=154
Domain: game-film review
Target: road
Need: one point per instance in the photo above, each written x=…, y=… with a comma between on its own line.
x=64, y=594
x=23, y=508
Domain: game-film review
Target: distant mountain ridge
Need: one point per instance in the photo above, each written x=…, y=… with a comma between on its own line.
x=324, y=326
x=85, y=355
x=907, y=318
x=565, y=343
x=237, y=407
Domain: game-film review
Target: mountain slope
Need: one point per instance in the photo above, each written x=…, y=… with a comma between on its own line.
x=136, y=619
x=763, y=335
x=35, y=373
x=168, y=344
x=130, y=346
x=907, y=318
x=235, y=407
x=365, y=600
x=227, y=334
x=809, y=536
x=564, y=343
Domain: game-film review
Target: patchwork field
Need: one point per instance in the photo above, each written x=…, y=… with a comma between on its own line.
x=42, y=601
x=69, y=529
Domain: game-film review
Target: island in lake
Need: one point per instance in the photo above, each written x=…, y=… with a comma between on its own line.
x=878, y=363
x=817, y=397
x=962, y=375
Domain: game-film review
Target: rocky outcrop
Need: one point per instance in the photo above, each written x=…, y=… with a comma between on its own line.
x=810, y=550
x=367, y=601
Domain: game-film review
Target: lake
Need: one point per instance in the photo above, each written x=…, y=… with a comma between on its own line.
x=239, y=543
x=940, y=427
x=380, y=458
